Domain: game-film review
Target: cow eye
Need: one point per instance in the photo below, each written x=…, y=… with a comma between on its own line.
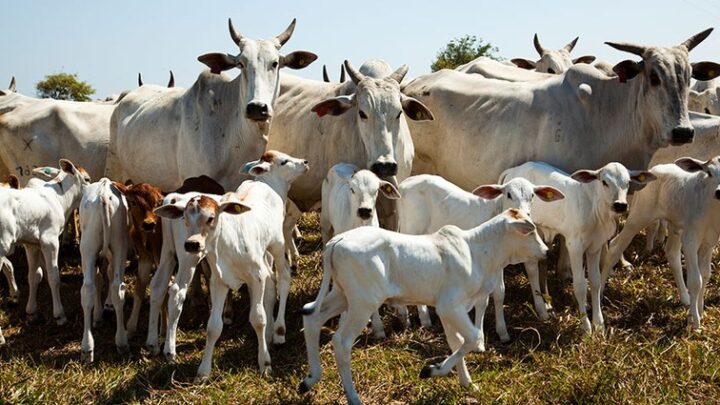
x=551, y=71
x=209, y=221
x=654, y=79
x=509, y=197
x=605, y=183
x=274, y=65
x=362, y=115
x=399, y=114
x=284, y=162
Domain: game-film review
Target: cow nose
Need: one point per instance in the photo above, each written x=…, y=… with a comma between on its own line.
x=717, y=194
x=192, y=246
x=620, y=207
x=257, y=111
x=148, y=226
x=681, y=135
x=365, y=213
x=384, y=168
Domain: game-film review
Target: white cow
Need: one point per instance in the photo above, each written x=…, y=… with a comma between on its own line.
x=431, y=202
x=450, y=269
x=705, y=97
x=208, y=128
x=236, y=246
x=686, y=196
x=552, y=61
x=586, y=218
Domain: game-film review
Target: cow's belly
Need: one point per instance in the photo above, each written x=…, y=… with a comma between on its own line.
x=148, y=156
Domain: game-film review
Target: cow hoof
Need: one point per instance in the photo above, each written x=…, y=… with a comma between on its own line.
x=32, y=317
x=267, y=371
x=171, y=358
x=278, y=339
x=685, y=300
x=201, y=379
x=303, y=387
x=505, y=338
x=60, y=320
x=585, y=325
x=428, y=371
x=123, y=349
x=2, y=339
x=108, y=313
x=153, y=350
x=543, y=316
x=86, y=357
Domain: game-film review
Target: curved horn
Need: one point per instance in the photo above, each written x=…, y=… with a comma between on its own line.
x=399, y=74
x=538, y=47
x=634, y=49
x=234, y=34
x=171, y=83
x=326, y=78
x=342, y=74
x=569, y=47
x=12, y=85
x=140, y=82
x=355, y=76
x=285, y=35
x=695, y=40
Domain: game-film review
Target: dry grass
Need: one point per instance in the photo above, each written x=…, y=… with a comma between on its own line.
x=646, y=356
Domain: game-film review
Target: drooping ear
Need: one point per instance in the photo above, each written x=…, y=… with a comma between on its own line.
x=218, y=62
x=548, y=194
x=334, y=106
x=260, y=168
x=297, y=59
x=46, y=172
x=13, y=181
x=415, y=110
x=523, y=63
x=584, y=176
x=120, y=187
x=641, y=177
x=67, y=166
x=627, y=70
x=389, y=190
x=584, y=59
x=488, y=192
x=521, y=225
x=705, y=70
x=233, y=207
x=170, y=211
x=691, y=165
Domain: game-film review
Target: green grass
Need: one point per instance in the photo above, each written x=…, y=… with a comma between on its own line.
x=646, y=356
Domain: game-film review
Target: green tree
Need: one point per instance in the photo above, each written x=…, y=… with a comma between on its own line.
x=463, y=50
x=64, y=86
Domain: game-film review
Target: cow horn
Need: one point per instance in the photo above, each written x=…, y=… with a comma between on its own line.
x=140, y=82
x=326, y=78
x=171, y=83
x=285, y=35
x=236, y=36
x=355, y=76
x=695, y=40
x=569, y=47
x=399, y=74
x=538, y=47
x=342, y=74
x=12, y=85
x=634, y=49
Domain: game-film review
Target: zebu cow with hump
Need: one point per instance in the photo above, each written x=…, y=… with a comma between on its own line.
x=208, y=128
x=579, y=119
x=366, y=127
x=552, y=61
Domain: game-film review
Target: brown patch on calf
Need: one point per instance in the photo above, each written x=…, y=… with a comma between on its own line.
x=514, y=213
x=207, y=202
x=269, y=156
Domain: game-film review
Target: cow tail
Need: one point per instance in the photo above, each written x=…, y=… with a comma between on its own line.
x=309, y=308
x=105, y=197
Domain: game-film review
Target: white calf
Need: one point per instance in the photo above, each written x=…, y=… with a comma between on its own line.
x=431, y=202
x=450, y=269
x=686, y=196
x=6, y=265
x=236, y=246
x=105, y=234
x=586, y=218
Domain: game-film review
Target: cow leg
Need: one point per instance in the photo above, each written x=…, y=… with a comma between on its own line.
x=690, y=250
x=145, y=265
x=158, y=290
x=35, y=275
x=176, y=297
x=498, y=300
x=108, y=309
x=9, y=271
x=377, y=325
x=259, y=318
x=579, y=282
x=352, y=323
x=563, y=264
x=651, y=234
x=543, y=273
x=455, y=341
x=634, y=224
x=705, y=264
x=218, y=293
x=593, y=270
x=282, y=271
x=99, y=288
x=674, y=256
x=533, y=272
x=424, y=315
x=49, y=249
x=88, y=300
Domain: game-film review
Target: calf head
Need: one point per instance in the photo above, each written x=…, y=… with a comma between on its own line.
x=364, y=186
x=609, y=185
x=260, y=62
x=378, y=106
x=664, y=75
x=70, y=175
x=518, y=193
x=142, y=199
x=12, y=181
x=552, y=61
x=706, y=101
x=524, y=243
x=711, y=168
x=279, y=165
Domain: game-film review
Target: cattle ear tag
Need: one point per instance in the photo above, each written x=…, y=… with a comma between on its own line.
x=549, y=194
x=387, y=189
x=47, y=170
x=641, y=177
x=418, y=115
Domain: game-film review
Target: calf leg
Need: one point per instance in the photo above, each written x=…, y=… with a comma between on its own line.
x=498, y=299
x=351, y=325
x=705, y=264
x=579, y=282
x=690, y=249
x=259, y=318
x=88, y=301
x=176, y=297
x=35, y=275
x=218, y=293
x=651, y=233
x=9, y=271
x=593, y=269
x=424, y=315
x=674, y=256
x=143, y=278
x=377, y=325
x=533, y=273
x=108, y=309
x=455, y=341
x=49, y=249
x=282, y=271
x=158, y=290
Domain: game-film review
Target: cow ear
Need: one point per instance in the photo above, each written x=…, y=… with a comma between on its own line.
x=218, y=62
x=584, y=59
x=13, y=181
x=415, y=110
x=520, y=223
x=627, y=69
x=169, y=211
x=233, y=207
x=548, y=194
x=120, y=187
x=260, y=168
x=523, y=63
x=488, y=192
x=641, y=177
x=584, y=176
x=389, y=190
x=46, y=172
x=67, y=166
x=298, y=59
x=705, y=70
x=689, y=164
x=334, y=106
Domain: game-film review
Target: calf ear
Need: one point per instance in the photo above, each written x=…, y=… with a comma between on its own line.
x=627, y=70
x=689, y=164
x=584, y=176
x=489, y=192
x=522, y=226
x=218, y=62
x=642, y=176
x=120, y=187
x=13, y=181
x=334, y=106
x=47, y=172
x=548, y=194
x=389, y=190
x=415, y=110
x=233, y=207
x=297, y=59
x=170, y=211
x=705, y=70
x=67, y=166
x=523, y=63
x=584, y=59
x=260, y=168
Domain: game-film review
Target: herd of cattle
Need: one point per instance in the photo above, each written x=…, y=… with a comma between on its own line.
x=583, y=136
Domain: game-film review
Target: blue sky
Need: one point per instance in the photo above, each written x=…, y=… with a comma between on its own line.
x=108, y=42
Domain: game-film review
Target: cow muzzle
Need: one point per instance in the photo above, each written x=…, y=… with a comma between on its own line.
x=717, y=193
x=257, y=111
x=148, y=226
x=192, y=246
x=382, y=169
x=620, y=207
x=682, y=135
x=364, y=213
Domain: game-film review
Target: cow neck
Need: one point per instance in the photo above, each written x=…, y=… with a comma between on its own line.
x=68, y=193
x=484, y=241
x=277, y=184
x=600, y=212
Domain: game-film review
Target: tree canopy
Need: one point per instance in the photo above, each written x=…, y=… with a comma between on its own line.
x=64, y=86
x=462, y=50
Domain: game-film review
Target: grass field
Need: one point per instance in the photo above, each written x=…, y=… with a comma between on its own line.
x=646, y=356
